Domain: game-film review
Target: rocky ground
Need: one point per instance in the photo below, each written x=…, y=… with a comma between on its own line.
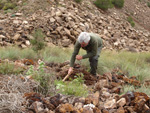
x=104, y=93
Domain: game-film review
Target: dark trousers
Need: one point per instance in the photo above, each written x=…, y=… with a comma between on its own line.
x=94, y=61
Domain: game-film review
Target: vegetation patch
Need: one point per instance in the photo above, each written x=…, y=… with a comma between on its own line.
x=133, y=64
x=118, y=3
x=148, y=4
x=38, y=41
x=130, y=20
x=78, y=1
x=15, y=53
x=103, y=4
x=144, y=89
x=5, y=5
x=45, y=79
x=10, y=4
x=74, y=87
x=2, y=4
x=10, y=68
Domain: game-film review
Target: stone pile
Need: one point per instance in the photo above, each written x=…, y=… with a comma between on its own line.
x=131, y=102
x=62, y=24
x=103, y=97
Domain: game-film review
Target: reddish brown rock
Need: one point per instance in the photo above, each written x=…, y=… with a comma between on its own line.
x=64, y=108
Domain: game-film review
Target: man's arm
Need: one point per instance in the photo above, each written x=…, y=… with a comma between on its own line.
x=76, y=51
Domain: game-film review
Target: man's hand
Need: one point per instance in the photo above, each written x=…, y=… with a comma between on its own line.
x=70, y=70
x=78, y=57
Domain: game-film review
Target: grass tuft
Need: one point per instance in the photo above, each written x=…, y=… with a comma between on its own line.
x=132, y=64
x=8, y=69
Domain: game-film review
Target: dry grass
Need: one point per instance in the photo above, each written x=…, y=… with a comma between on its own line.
x=12, y=89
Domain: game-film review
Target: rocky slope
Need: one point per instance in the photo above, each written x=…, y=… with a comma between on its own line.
x=139, y=10
x=63, y=21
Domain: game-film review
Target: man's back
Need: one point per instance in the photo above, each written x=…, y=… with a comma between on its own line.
x=97, y=38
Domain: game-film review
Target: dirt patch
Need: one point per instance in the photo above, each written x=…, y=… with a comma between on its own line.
x=61, y=71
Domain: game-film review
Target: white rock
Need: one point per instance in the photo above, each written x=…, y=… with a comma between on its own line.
x=27, y=42
x=23, y=46
x=52, y=20
x=58, y=13
x=16, y=21
x=110, y=104
x=89, y=105
x=2, y=36
x=116, y=44
x=18, y=14
x=121, y=102
x=16, y=37
x=25, y=22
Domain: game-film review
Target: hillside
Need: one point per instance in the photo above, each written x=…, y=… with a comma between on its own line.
x=32, y=74
x=62, y=21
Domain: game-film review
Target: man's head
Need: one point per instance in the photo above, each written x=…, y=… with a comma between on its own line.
x=84, y=39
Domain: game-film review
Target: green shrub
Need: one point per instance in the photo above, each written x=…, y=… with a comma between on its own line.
x=78, y=1
x=45, y=80
x=132, y=23
x=130, y=20
x=148, y=4
x=1, y=5
x=8, y=11
x=118, y=3
x=103, y=4
x=38, y=41
x=9, y=6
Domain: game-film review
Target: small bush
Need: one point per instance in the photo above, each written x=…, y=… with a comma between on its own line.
x=78, y=1
x=1, y=5
x=45, y=80
x=38, y=41
x=132, y=24
x=9, y=6
x=118, y=3
x=130, y=20
x=148, y=4
x=103, y=4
